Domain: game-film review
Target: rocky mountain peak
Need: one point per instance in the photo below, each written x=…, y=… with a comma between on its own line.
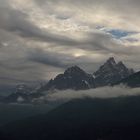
x=73, y=78
x=111, y=72
x=76, y=78
x=121, y=64
x=111, y=61
x=74, y=70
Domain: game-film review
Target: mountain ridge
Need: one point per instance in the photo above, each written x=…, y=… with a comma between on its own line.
x=132, y=81
x=75, y=78
x=111, y=72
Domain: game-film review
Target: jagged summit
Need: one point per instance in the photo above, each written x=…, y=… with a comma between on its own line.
x=111, y=61
x=76, y=78
x=73, y=70
x=111, y=72
x=73, y=78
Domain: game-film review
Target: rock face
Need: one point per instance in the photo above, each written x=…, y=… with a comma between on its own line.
x=111, y=72
x=76, y=78
x=73, y=78
x=131, y=81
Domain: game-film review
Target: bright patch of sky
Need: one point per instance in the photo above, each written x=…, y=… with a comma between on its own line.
x=118, y=33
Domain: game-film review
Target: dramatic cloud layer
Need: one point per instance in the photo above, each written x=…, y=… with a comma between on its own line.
x=105, y=92
x=40, y=38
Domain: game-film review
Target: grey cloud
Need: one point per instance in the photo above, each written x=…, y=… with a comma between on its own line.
x=44, y=57
x=55, y=59
x=17, y=21
x=61, y=60
x=111, y=4
x=29, y=63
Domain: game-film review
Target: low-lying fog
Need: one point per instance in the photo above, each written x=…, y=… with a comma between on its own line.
x=104, y=92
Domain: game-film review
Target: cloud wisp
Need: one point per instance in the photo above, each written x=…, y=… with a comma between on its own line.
x=103, y=93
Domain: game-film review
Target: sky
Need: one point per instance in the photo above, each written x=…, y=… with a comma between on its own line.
x=41, y=38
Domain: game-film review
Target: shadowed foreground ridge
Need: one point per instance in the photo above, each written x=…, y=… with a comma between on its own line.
x=90, y=119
